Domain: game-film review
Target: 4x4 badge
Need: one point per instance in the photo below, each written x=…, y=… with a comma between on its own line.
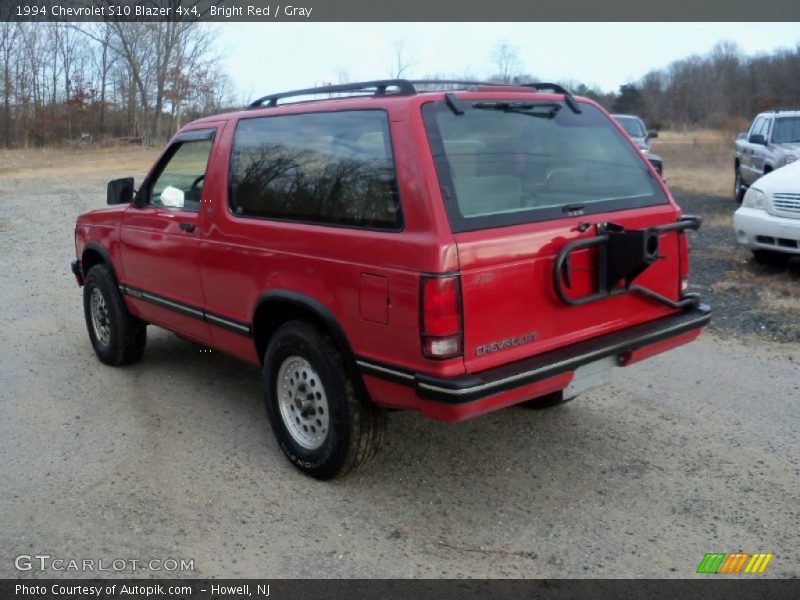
x=513, y=342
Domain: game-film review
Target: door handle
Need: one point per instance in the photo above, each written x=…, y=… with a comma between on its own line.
x=187, y=227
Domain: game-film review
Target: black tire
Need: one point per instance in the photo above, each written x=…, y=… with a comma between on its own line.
x=548, y=401
x=125, y=335
x=738, y=188
x=770, y=257
x=354, y=429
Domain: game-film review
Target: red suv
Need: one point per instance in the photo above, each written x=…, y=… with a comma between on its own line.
x=452, y=248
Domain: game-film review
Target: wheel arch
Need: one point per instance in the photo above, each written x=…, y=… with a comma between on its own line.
x=95, y=254
x=276, y=307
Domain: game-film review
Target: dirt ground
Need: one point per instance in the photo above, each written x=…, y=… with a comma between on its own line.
x=691, y=452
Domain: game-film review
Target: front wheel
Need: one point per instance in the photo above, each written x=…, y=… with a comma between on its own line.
x=738, y=188
x=118, y=338
x=322, y=423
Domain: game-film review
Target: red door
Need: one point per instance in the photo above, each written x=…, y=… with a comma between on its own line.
x=160, y=238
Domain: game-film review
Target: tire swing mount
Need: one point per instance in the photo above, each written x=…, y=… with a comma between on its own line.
x=622, y=255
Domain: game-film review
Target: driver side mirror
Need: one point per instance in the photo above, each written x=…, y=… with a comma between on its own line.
x=120, y=191
x=757, y=138
x=652, y=134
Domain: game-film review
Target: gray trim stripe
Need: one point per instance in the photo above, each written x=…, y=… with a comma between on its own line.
x=385, y=370
x=228, y=323
x=192, y=311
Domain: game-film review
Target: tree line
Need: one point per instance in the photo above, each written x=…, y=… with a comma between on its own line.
x=723, y=89
x=81, y=82
x=87, y=82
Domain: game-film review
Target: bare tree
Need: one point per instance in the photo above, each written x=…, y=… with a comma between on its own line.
x=104, y=59
x=507, y=64
x=9, y=32
x=403, y=60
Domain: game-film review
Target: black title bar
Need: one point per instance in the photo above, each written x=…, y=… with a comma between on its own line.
x=708, y=588
x=224, y=11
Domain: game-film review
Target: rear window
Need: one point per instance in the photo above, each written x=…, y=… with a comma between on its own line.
x=331, y=167
x=509, y=162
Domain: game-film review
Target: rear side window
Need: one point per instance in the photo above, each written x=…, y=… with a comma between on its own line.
x=510, y=162
x=330, y=167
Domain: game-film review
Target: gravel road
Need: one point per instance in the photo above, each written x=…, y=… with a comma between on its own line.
x=691, y=452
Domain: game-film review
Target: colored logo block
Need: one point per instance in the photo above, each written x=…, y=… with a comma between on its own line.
x=736, y=562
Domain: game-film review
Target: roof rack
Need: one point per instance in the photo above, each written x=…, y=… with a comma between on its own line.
x=405, y=87
x=378, y=88
x=461, y=82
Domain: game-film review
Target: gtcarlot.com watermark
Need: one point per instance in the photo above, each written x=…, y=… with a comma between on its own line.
x=45, y=562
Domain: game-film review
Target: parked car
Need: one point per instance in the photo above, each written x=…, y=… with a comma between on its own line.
x=771, y=142
x=634, y=127
x=768, y=222
x=452, y=251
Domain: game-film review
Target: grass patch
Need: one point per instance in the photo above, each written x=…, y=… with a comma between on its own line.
x=697, y=162
x=54, y=163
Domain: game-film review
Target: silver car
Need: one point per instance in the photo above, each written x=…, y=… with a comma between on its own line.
x=635, y=128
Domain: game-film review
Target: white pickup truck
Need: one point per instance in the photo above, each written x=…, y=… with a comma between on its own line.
x=771, y=142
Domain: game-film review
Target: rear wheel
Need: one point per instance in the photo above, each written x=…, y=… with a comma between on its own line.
x=738, y=188
x=770, y=257
x=322, y=423
x=118, y=338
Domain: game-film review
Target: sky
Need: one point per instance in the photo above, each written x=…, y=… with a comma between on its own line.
x=271, y=57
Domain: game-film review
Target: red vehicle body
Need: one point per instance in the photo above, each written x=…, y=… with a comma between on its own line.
x=508, y=328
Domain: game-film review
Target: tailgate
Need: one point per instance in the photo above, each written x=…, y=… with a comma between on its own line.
x=510, y=306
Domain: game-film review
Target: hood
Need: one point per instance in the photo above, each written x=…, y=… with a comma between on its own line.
x=785, y=179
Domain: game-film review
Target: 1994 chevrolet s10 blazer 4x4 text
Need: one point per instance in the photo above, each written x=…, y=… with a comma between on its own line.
x=434, y=246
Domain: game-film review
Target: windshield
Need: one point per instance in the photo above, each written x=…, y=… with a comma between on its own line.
x=632, y=126
x=520, y=165
x=787, y=130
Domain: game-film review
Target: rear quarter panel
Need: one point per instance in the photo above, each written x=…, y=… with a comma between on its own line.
x=243, y=258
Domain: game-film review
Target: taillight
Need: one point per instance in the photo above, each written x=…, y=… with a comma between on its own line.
x=440, y=316
x=683, y=251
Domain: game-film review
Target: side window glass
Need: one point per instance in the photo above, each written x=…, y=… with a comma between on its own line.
x=329, y=167
x=763, y=126
x=180, y=184
x=755, y=126
x=766, y=129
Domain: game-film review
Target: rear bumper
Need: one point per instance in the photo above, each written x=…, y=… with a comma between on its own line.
x=473, y=388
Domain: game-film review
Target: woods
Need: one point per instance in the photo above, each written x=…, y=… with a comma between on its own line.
x=81, y=82
x=718, y=90
x=722, y=89
x=71, y=83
